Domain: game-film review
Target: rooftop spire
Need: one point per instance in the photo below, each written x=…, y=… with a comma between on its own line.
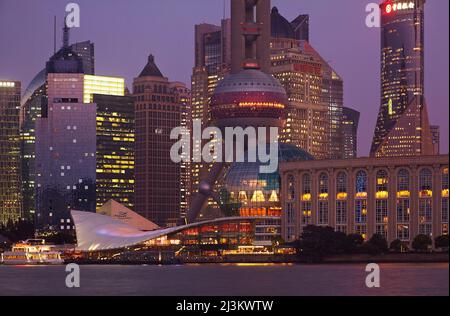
x=65, y=34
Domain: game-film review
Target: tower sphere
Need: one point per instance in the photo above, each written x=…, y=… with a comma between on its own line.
x=249, y=98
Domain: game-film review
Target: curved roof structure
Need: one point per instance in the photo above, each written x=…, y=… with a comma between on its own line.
x=249, y=80
x=37, y=82
x=96, y=232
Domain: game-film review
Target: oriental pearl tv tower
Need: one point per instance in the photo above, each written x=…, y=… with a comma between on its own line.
x=250, y=96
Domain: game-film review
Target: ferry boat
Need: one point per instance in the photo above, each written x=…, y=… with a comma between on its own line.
x=32, y=252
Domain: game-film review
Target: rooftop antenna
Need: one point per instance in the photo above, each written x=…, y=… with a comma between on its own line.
x=65, y=34
x=54, y=34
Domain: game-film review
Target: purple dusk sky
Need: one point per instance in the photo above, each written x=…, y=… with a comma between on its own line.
x=125, y=32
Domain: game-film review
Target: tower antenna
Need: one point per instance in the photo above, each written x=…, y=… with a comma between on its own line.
x=54, y=34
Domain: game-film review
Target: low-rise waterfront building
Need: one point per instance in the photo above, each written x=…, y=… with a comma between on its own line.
x=398, y=197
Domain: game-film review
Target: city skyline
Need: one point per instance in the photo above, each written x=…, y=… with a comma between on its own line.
x=361, y=89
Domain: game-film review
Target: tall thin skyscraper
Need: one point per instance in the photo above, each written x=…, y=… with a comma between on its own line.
x=212, y=64
x=402, y=128
x=10, y=185
x=158, y=110
x=350, y=123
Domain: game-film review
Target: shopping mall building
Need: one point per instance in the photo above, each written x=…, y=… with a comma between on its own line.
x=398, y=198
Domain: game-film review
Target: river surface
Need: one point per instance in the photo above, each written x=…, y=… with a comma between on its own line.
x=227, y=280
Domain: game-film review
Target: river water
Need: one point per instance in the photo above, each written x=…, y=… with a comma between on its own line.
x=228, y=280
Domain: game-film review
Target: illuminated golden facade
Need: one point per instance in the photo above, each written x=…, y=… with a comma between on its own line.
x=102, y=85
x=398, y=198
x=10, y=185
x=307, y=124
x=115, y=149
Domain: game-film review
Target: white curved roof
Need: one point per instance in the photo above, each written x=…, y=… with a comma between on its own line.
x=100, y=232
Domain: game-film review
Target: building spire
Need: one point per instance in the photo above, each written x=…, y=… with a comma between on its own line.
x=65, y=34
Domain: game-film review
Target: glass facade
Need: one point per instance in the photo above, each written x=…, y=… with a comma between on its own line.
x=244, y=191
x=115, y=149
x=65, y=153
x=402, y=127
x=10, y=185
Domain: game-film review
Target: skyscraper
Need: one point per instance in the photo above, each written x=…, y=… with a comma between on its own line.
x=65, y=153
x=314, y=88
x=158, y=110
x=33, y=100
x=84, y=147
x=212, y=64
x=10, y=185
x=350, y=122
x=402, y=128
x=115, y=147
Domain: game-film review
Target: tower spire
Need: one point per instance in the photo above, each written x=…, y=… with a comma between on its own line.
x=65, y=34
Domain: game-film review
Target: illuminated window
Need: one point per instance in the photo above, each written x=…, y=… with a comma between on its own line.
x=291, y=188
x=445, y=183
x=381, y=211
x=258, y=196
x=306, y=187
x=323, y=186
x=361, y=211
x=341, y=186
x=306, y=213
x=403, y=189
x=361, y=185
x=382, y=185
x=425, y=183
x=403, y=210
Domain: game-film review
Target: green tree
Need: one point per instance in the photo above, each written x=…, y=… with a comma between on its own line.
x=422, y=243
x=317, y=242
x=354, y=242
x=377, y=245
x=396, y=245
x=441, y=242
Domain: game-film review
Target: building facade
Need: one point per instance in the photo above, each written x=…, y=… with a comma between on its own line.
x=402, y=127
x=315, y=90
x=65, y=153
x=350, y=123
x=33, y=101
x=10, y=183
x=398, y=198
x=212, y=64
x=158, y=110
x=115, y=149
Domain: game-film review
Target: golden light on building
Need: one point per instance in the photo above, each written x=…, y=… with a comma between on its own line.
x=403, y=194
x=341, y=196
x=426, y=194
x=102, y=85
x=382, y=195
x=306, y=197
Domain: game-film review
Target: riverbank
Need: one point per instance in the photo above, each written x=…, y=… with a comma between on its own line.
x=287, y=259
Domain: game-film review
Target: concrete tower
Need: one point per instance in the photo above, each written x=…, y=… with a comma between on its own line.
x=249, y=96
